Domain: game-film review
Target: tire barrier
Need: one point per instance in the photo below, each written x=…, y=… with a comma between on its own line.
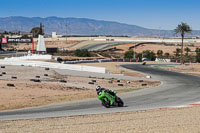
x=46, y=68
x=91, y=83
x=120, y=85
x=10, y=85
x=110, y=82
x=46, y=75
x=94, y=81
x=63, y=81
x=35, y=80
x=144, y=84
x=13, y=77
x=4, y=73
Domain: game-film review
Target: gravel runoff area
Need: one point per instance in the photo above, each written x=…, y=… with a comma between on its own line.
x=22, y=87
x=179, y=120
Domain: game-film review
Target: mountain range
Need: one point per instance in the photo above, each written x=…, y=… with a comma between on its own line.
x=81, y=26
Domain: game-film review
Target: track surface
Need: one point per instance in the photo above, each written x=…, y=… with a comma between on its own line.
x=176, y=89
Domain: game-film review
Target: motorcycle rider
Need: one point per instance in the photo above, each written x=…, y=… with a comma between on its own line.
x=99, y=90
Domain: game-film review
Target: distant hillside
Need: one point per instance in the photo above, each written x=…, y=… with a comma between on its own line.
x=80, y=26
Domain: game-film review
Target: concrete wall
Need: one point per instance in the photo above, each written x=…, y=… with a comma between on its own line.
x=124, y=39
x=19, y=61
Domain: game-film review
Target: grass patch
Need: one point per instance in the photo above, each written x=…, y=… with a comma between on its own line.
x=161, y=66
x=127, y=90
x=2, y=57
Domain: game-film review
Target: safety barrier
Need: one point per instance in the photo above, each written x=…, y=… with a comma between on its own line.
x=31, y=57
x=52, y=65
x=163, y=60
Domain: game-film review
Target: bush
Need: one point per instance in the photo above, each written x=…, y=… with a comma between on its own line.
x=149, y=54
x=82, y=53
x=129, y=54
x=159, y=53
x=198, y=57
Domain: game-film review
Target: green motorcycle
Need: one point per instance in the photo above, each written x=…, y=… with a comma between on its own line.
x=109, y=100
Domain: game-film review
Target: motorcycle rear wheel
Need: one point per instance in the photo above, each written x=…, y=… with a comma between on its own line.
x=120, y=103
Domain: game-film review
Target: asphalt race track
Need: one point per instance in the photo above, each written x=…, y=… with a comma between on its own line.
x=176, y=89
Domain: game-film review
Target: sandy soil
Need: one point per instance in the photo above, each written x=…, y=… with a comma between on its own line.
x=49, y=44
x=193, y=69
x=26, y=93
x=180, y=120
x=152, y=47
x=114, y=68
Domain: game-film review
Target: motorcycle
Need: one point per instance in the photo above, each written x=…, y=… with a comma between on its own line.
x=109, y=100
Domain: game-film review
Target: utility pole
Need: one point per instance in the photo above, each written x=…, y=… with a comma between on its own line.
x=66, y=30
x=41, y=29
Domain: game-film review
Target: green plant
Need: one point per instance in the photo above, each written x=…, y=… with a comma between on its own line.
x=35, y=31
x=177, y=52
x=82, y=53
x=187, y=50
x=166, y=55
x=149, y=54
x=129, y=54
x=159, y=53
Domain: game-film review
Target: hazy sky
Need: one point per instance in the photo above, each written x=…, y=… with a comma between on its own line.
x=157, y=14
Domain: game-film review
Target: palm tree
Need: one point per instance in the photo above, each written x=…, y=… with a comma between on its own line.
x=182, y=28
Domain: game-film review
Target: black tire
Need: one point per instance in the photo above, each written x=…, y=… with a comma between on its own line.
x=119, y=102
x=106, y=103
x=10, y=85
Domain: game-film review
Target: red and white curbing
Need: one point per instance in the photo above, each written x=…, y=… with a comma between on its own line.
x=180, y=106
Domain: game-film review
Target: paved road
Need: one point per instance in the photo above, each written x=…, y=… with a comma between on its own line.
x=101, y=46
x=176, y=89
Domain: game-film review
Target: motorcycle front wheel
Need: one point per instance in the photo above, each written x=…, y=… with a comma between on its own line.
x=106, y=103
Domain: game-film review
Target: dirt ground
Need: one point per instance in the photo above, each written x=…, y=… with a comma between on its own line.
x=114, y=68
x=50, y=89
x=179, y=120
x=49, y=44
x=192, y=68
x=153, y=47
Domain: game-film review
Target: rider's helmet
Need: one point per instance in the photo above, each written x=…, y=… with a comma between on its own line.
x=98, y=88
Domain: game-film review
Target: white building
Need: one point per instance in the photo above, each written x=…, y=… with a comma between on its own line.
x=54, y=35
